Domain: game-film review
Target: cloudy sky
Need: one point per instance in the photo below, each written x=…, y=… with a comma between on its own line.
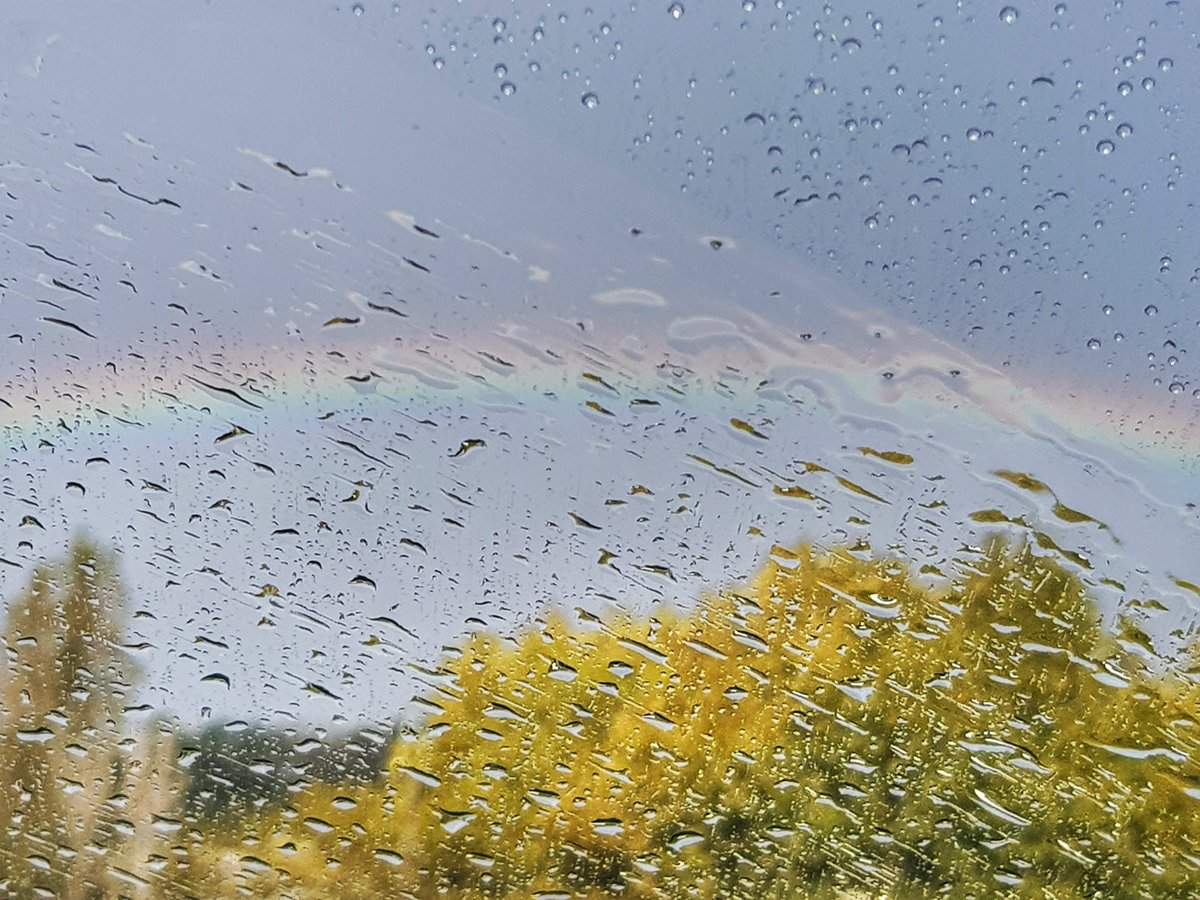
x=354, y=332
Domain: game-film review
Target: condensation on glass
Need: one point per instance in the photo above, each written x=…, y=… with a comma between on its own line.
x=639, y=449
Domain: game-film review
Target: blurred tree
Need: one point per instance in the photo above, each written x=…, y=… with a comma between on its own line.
x=836, y=728
x=64, y=683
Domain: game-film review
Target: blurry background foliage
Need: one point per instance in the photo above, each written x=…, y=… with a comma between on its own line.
x=839, y=726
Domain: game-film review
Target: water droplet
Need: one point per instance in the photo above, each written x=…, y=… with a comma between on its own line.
x=1151, y=310
x=675, y=10
x=1106, y=147
x=357, y=9
x=1166, y=64
x=1009, y=15
x=35, y=735
x=421, y=776
x=608, y=827
x=498, y=25
x=1175, y=387
x=545, y=798
x=1124, y=88
x=1124, y=130
x=683, y=839
x=508, y=89
x=973, y=134
x=590, y=100
x=319, y=826
x=1093, y=343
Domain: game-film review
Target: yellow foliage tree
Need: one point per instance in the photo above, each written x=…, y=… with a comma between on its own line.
x=835, y=728
x=60, y=713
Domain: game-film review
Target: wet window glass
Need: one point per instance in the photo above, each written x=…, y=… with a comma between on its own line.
x=615, y=449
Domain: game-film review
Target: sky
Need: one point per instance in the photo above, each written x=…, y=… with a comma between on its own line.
x=349, y=350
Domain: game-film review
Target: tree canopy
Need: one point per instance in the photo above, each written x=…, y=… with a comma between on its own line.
x=836, y=727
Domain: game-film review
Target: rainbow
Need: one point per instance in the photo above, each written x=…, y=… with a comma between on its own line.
x=505, y=367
